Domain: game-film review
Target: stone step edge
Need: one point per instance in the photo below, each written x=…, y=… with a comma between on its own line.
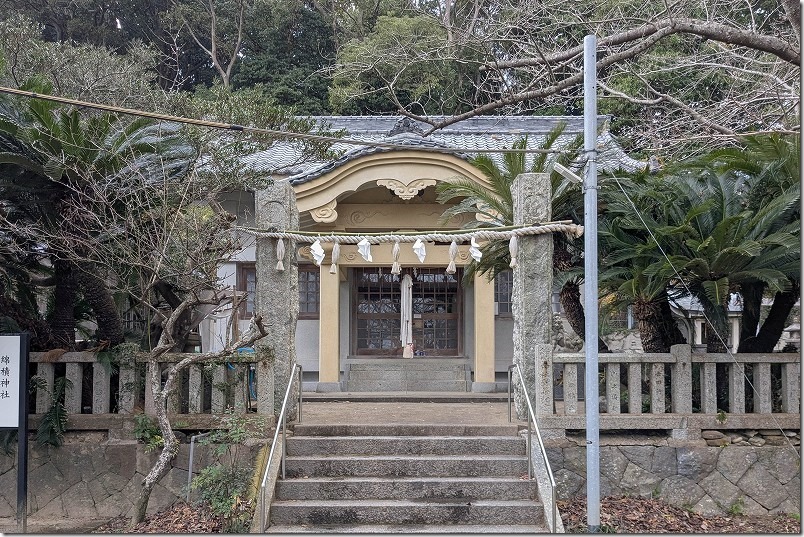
x=377, y=503
x=392, y=479
x=405, y=457
x=410, y=438
x=404, y=430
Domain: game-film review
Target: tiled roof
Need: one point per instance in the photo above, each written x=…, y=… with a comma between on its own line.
x=475, y=135
x=691, y=304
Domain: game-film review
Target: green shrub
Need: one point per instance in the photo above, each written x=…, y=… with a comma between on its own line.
x=54, y=421
x=224, y=484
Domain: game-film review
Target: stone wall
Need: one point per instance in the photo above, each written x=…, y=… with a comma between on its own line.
x=708, y=480
x=89, y=478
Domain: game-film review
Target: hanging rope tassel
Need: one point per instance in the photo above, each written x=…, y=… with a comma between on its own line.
x=280, y=255
x=395, y=268
x=453, y=252
x=513, y=247
x=336, y=255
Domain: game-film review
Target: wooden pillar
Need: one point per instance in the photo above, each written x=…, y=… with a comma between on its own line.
x=484, y=335
x=329, y=353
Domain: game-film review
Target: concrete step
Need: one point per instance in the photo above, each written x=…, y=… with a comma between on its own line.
x=406, y=445
x=420, y=362
x=407, y=374
x=453, y=511
x=405, y=397
x=408, y=365
x=404, y=429
x=409, y=385
x=431, y=529
x=406, y=465
x=420, y=488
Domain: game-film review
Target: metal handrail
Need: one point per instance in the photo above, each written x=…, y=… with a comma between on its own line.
x=283, y=418
x=190, y=464
x=532, y=416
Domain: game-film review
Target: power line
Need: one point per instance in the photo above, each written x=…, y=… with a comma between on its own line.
x=259, y=130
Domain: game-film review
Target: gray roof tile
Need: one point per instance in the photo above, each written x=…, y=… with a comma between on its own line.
x=483, y=133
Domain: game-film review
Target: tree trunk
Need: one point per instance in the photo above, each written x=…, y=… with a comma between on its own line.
x=752, y=307
x=169, y=449
x=658, y=330
x=182, y=325
x=772, y=328
x=669, y=326
x=62, y=319
x=717, y=334
x=570, y=298
x=96, y=293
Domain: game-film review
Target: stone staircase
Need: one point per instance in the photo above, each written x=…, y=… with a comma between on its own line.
x=406, y=478
x=407, y=375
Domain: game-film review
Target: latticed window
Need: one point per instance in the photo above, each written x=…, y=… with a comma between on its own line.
x=435, y=311
x=309, y=291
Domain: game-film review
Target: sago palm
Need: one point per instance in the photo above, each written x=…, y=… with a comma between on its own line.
x=50, y=156
x=493, y=206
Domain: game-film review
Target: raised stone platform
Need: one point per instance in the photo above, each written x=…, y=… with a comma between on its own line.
x=428, y=374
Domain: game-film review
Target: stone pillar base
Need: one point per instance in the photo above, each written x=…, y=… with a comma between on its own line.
x=484, y=387
x=328, y=387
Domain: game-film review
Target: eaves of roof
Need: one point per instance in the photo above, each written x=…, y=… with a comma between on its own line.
x=474, y=135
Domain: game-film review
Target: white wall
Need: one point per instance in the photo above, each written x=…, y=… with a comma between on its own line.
x=503, y=343
x=307, y=344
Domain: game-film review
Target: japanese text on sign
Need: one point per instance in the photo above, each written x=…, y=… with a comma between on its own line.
x=9, y=381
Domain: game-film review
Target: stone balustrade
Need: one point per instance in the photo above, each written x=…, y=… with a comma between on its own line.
x=204, y=388
x=680, y=392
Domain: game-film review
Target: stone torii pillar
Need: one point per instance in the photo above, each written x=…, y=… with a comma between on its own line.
x=532, y=293
x=277, y=294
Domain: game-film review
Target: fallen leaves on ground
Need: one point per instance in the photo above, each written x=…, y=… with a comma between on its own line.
x=646, y=515
x=617, y=515
x=179, y=518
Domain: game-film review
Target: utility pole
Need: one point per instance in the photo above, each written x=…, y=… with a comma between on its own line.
x=590, y=284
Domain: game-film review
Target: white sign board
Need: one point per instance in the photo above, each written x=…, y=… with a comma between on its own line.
x=10, y=360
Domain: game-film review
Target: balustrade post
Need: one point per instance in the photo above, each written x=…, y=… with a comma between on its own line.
x=657, y=388
x=570, y=380
x=681, y=379
x=613, y=388
x=100, y=388
x=240, y=386
x=709, y=388
x=791, y=388
x=196, y=389
x=72, y=397
x=174, y=399
x=44, y=370
x=737, y=388
x=544, y=380
x=265, y=382
x=635, y=388
x=126, y=386
x=762, y=388
x=218, y=389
